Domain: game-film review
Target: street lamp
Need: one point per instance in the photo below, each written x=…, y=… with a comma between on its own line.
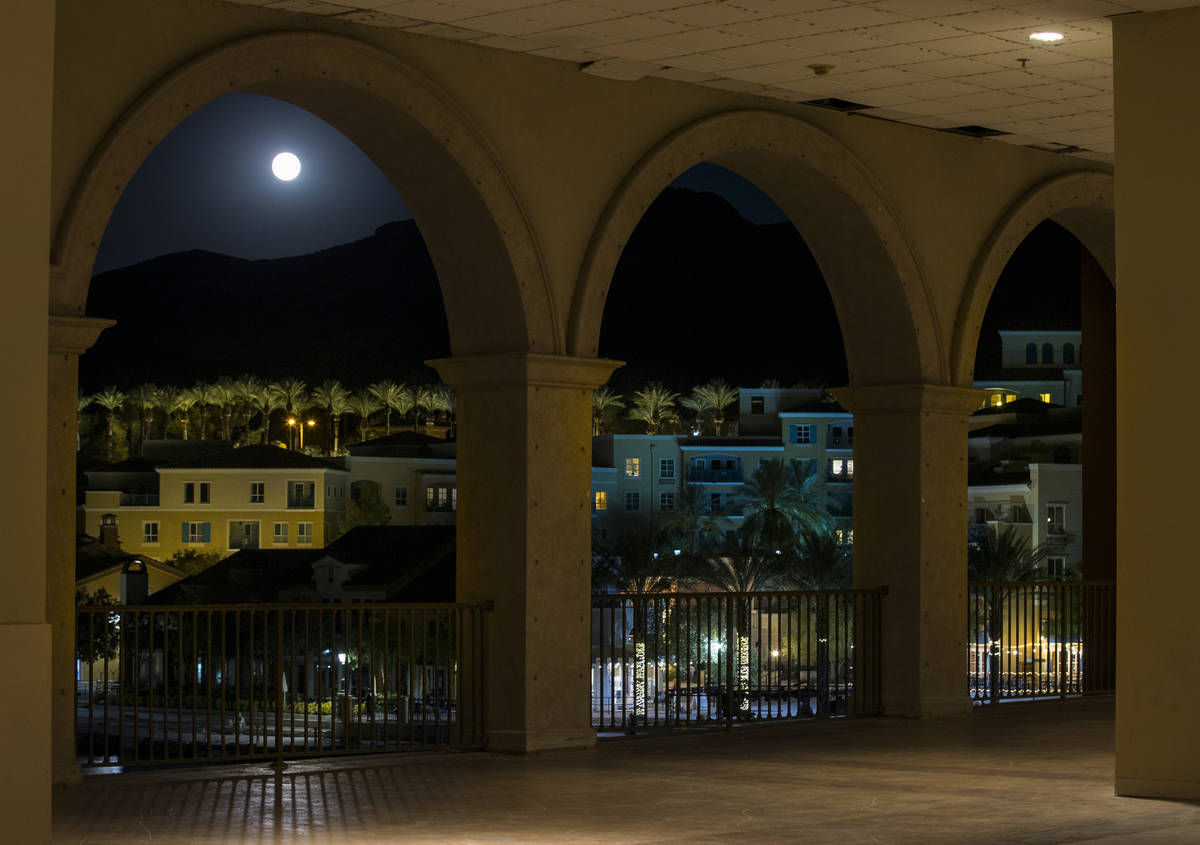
x=292, y=432
x=310, y=424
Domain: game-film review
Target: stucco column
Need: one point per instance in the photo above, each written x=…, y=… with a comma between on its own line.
x=27, y=99
x=524, y=538
x=910, y=534
x=69, y=338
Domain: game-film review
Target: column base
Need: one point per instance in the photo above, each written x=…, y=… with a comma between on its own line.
x=548, y=739
x=25, y=733
x=927, y=708
x=1186, y=790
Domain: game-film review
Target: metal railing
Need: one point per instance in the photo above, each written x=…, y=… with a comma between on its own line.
x=1028, y=640
x=227, y=683
x=682, y=659
x=714, y=476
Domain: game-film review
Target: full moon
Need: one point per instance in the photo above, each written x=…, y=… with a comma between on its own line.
x=285, y=166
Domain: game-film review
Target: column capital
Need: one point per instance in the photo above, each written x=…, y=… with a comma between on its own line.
x=909, y=398
x=522, y=368
x=75, y=335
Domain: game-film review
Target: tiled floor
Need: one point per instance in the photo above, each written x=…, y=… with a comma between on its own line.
x=1017, y=773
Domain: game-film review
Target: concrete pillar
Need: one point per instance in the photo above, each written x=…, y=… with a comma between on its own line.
x=1156, y=64
x=524, y=539
x=69, y=338
x=910, y=534
x=26, y=100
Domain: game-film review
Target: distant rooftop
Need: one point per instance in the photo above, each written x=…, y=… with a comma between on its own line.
x=254, y=457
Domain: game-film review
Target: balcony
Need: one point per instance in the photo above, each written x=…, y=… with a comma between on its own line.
x=714, y=476
x=139, y=500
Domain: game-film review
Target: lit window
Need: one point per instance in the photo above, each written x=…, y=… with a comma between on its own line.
x=1010, y=397
x=666, y=468
x=149, y=532
x=258, y=491
x=632, y=467
x=837, y=467
x=666, y=501
x=850, y=468
x=1056, y=519
x=1045, y=397
x=601, y=503
x=633, y=501
x=401, y=497
x=304, y=533
x=996, y=400
x=280, y=533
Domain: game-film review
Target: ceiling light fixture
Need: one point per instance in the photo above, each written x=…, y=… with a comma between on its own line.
x=1046, y=37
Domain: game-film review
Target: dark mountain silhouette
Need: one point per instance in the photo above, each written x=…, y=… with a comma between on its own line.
x=699, y=293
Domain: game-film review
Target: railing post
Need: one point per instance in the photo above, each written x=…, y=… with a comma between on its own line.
x=279, y=679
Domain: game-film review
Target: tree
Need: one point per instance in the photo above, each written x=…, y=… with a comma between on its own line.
x=206, y=396
x=335, y=399
x=146, y=399
x=266, y=400
x=83, y=403
x=225, y=394
x=820, y=562
x=362, y=405
x=366, y=507
x=691, y=524
x=996, y=559
x=712, y=398
x=97, y=635
x=604, y=403
x=179, y=402
x=111, y=400
x=291, y=395
x=249, y=389
x=193, y=561
x=390, y=396
x=779, y=503
x=424, y=397
x=655, y=406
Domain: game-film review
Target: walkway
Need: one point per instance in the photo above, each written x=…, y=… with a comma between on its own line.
x=1016, y=773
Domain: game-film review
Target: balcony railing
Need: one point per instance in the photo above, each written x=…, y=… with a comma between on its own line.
x=714, y=476
x=139, y=500
x=1040, y=640
x=230, y=683
x=677, y=659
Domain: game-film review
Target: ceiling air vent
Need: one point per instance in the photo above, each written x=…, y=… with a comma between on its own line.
x=977, y=131
x=835, y=104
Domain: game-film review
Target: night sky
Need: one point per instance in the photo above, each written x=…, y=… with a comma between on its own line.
x=208, y=186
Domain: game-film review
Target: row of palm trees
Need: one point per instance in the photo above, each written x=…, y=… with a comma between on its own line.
x=659, y=408
x=243, y=408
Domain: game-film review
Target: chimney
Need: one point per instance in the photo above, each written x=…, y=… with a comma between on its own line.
x=108, y=533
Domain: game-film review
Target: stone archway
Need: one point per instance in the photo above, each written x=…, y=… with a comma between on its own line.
x=471, y=220
x=859, y=242
x=1080, y=202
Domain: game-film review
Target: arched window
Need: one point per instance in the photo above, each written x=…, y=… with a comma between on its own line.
x=1047, y=353
x=1068, y=353
x=1031, y=353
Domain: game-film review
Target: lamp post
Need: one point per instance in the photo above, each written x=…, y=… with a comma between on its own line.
x=292, y=432
x=310, y=424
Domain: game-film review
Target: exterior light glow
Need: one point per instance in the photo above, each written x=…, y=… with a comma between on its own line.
x=1046, y=37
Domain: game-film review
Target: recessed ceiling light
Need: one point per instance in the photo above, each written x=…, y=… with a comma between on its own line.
x=1046, y=36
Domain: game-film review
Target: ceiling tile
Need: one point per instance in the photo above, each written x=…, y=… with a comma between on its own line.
x=1100, y=102
x=968, y=45
x=952, y=68
x=308, y=7
x=835, y=42
x=640, y=50
x=566, y=54
x=817, y=86
x=851, y=17
x=994, y=20
x=642, y=6
x=897, y=54
x=1033, y=61
x=935, y=89
x=701, y=40
x=927, y=8
x=1082, y=69
x=879, y=98
x=580, y=37
x=504, y=24
x=928, y=107
x=427, y=10
x=709, y=14
x=838, y=65
x=989, y=100
x=766, y=54
x=764, y=74
x=373, y=17
x=1097, y=48
x=788, y=7
x=682, y=75
x=567, y=13
x=1083, y=120
x=739, y=85
x=882, y=78
x=1003, y=78
x=446, y=30
x=1034, y=111
x=507, y=42
x=769, y=29
x=1056, y=91
x=634, y=27
x=699, y=61
x=909, y=32
x=499, y=5
x=1073, y=10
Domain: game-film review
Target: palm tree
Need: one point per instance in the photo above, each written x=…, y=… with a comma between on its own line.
x=206, y=395
x=633, y=565
x=249, y=390
x=779, y=504
x=111, y=400
x=84, y=402
x=362, y=405
x=654, y=405
x=145, y=398
x=291, y=394
x=718, y=396
x=604, y=402
x=996, y=559
x=388, y=394
x=336, y=400
x=178, y=402
x=691, y=523
x=442, y=401
x=225, y=393
x=820, y=562
x=424, y=398
x=265, y=401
